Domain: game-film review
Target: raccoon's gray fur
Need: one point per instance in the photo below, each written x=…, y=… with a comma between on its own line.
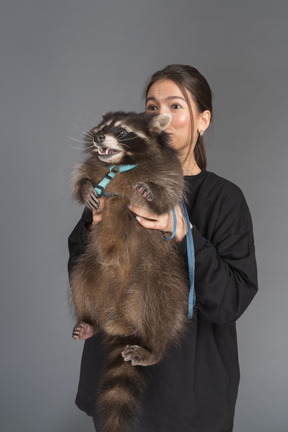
x=130, y=283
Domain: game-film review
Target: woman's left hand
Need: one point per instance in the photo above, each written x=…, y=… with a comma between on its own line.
x=164, y=222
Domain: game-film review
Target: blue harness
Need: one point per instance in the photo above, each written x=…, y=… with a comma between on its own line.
x=113, y=170
x=100, y=189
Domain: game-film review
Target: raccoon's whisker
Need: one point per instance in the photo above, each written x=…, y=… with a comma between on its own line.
x=88, y=138
x=89, y=142
x=77, y=127
x=86, y=131
x=81, y=142
x=74, y=139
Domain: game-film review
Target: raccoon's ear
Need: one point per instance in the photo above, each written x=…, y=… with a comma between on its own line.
x=104, y=115
x=159, y=123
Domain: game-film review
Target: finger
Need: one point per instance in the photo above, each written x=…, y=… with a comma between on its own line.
x=97, y=218
x=143, y=213
x=101, y=203
x=163, y=222
x=150, y=224
x=97, y=214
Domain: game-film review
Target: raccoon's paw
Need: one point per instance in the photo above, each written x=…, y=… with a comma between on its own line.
x=144, y=190
x=138, y=356
x=90, y=196
x=93, y=202
x=82, y=331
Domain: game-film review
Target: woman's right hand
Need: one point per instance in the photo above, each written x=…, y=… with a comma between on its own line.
x=97, y=214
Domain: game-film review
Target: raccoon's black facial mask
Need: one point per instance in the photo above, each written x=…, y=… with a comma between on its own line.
x=109, y=145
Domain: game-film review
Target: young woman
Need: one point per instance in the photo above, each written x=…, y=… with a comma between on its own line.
x=194, y=388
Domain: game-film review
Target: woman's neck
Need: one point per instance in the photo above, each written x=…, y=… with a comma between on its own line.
x=190, y=167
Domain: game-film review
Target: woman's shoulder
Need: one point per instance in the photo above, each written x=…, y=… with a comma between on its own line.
x=220, y=182
x=218, y=194
x=229, y=200
x=213, y=184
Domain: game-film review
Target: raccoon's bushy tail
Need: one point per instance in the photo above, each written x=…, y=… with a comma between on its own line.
x=122, y=387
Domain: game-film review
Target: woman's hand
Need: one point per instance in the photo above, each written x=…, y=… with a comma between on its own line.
x=147, y=219
x=97, y=214
x=164, y=223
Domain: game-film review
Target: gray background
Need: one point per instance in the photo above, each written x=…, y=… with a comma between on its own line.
x=65, y=62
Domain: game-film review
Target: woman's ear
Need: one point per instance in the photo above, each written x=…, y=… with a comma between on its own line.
x=205, y=118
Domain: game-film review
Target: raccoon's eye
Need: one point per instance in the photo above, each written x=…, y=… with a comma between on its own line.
x=120, y=133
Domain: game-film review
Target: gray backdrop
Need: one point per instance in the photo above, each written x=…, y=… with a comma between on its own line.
x=65, y=62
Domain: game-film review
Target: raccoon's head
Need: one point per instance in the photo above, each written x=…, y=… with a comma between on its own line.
x=128, y=137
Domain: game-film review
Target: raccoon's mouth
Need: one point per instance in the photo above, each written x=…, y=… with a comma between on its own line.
x=106, y=151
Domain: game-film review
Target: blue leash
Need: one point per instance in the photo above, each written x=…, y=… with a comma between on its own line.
x=174, y=226
x=190, y=255
x=191, y=260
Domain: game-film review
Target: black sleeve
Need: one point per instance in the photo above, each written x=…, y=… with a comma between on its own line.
x=225, y=266
x=78, y=239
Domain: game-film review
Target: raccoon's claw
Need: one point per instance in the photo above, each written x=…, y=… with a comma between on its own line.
x=138, y=356
x=144, y=190
x=82, y=331
x=130, y=354
x=93, y=201
x=89, y=195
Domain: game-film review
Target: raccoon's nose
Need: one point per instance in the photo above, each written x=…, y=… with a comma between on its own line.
x=99, y=138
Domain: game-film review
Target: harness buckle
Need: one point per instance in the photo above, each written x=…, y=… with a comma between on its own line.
x=102, y=190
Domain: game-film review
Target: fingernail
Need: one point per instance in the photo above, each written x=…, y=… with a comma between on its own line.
x=138, y=218
x=130, y=206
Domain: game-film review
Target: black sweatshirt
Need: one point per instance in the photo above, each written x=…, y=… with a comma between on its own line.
x=194, y=388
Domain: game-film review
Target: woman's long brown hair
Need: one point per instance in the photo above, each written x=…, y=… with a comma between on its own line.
x=189, y=79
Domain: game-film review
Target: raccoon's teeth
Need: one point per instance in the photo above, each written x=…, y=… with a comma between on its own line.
x=107, y=151
x=102, y=150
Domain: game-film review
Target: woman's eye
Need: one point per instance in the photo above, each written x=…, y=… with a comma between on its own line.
x=176, y=106
x=151, y=108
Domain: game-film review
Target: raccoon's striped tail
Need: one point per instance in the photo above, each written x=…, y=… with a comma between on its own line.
x=122, y=387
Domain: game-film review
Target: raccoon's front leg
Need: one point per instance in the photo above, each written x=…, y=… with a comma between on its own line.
x=89, y=194
x=139, y=356
x=144, y=190
x=156, y=195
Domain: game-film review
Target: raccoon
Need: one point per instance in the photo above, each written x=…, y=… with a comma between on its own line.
x=130, y=283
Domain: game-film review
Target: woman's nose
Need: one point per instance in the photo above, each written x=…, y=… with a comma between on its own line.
x=163, y=110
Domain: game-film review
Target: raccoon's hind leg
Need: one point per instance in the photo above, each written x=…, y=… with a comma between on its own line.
x=139, y=356
x=83, y=330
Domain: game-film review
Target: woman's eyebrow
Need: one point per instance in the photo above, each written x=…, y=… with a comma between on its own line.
x=152, y=98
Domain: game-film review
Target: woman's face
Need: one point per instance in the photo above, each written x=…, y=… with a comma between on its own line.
x=164, y=96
